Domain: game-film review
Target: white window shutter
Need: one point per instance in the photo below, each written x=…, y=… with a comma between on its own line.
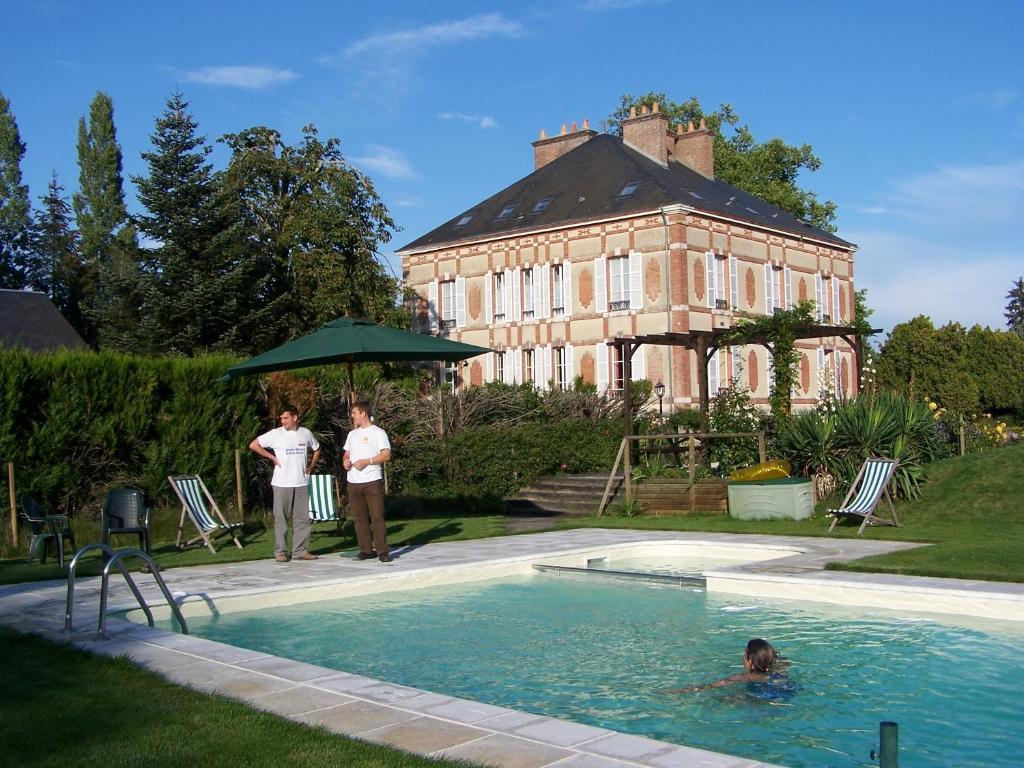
x=507, y=372
x=517, y=295
x=789, y=288
x=602, y=367
x=710, y=273
x=821, y=371
x=636, y=280
x=639, y=361
x=489, y=367
x=548, y=365
x=819, y=297
x=769, y=292
x=600, y=285
x=538, y=285
x=460, y=301
x=545, y=291
x=507, y=282
x=835, y=300
x=713, y=374
x=566, y=289
x=734, y=282
x=570, y=375
x=432, y=314
x=517, y=365
x=488, y=301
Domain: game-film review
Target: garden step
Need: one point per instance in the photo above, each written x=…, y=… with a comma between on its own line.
x=562, y=494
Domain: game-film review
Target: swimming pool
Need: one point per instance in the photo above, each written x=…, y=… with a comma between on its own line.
x=600, y=654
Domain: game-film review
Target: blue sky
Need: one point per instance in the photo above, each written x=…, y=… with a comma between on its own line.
x=916, y=109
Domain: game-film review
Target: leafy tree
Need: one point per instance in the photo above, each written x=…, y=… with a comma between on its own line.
x=1015, y=308
x=313, y=226
x=767, y=169
x=15, y=220
x=55, y=246
x=101, y=215
x=189, y=301
x=995, y=361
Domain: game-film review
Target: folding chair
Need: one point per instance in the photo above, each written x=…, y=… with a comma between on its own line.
x=871, y=483
x=323, y=491
x=191, y=491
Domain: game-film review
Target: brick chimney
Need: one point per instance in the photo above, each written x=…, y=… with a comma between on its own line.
x=648, y=132
x=695, y=148
x=547, y=149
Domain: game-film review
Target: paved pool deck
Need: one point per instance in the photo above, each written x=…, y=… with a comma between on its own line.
x=433, y=724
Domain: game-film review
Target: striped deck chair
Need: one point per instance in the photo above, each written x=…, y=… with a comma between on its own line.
x=194, y=497
x=323, y=494
x=871, y=483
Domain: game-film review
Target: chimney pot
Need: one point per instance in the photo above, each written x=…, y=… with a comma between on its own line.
x=632, y=111
x=563, y=129
x=689, y=127
x=655, y=108
x=573, y=129
x=586, y=124
x=643, y=109
x=543, y=133
x=703, y=125
x=679, y=129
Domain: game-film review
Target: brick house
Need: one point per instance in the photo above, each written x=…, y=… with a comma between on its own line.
x=621, y=237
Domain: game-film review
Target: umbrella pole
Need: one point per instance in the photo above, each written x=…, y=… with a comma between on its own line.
x=351, y=385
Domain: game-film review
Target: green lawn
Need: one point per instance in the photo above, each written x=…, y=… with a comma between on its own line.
x=66, y=708
x=972, y=510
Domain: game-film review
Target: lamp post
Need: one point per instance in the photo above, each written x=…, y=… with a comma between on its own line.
x=659, y=390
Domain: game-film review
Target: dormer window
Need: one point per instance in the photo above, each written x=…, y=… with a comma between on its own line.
x=464, y=220
x=542, y=204
x=628, y=189
x=507, y=211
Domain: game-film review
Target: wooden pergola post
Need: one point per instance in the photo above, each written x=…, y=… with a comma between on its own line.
x=626, y=355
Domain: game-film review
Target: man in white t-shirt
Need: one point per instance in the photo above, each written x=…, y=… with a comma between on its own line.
x=367, y=449
x=291, y=445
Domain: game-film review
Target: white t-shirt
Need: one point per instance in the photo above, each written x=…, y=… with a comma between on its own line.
x=365, y=443
x=289, y=447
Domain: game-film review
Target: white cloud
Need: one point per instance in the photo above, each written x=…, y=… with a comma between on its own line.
x=386, y=161
x=996, y=99
x=614, y=5
x=872, y=210
x=484, y=121
x=432, y=35
x=250, y=78
x=948, y=281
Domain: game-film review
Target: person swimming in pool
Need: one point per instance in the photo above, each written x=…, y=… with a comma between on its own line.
x=759, y=662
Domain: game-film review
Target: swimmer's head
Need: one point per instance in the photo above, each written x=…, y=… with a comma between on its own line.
x=759, y=656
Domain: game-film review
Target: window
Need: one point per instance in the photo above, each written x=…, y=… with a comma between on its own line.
x=618, y=293
x=448, y=304
x=499, y=297
x=772, y=289
x=558, y=291
x=835, y=301
x=527, y=294
x=734, y=282
x=507, y=211
x=561, y=370
x=466, y=218
x=528, y=365
x=618, y=369
x=820, y=310
x=451, y=376
x=716, y=286
x=542, y=204
x=499, y=366
x=628, y=189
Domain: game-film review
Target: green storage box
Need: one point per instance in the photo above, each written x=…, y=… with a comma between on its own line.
x=785, y=498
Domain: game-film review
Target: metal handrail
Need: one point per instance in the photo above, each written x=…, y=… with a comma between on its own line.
x=115, y=559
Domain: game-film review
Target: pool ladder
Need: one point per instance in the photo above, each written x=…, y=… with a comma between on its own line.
x=115, y=558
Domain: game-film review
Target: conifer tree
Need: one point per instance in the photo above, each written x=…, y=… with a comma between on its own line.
x=100, y=212
x=193, y=290
x=1015, y=307
x=15, y=218
x=56, y=257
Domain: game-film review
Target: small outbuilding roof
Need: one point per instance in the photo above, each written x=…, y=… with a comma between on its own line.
x=29, y=319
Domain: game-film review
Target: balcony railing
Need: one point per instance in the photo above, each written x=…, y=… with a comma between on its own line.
x=557, y=311
x=721, y=304
x=499, y=317
x=447, y=323
x=616, y=306
x=777, y=311
x=827, y=319
x=527, y=314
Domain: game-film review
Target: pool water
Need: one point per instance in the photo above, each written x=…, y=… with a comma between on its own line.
x=603, y=653
x=692, y=565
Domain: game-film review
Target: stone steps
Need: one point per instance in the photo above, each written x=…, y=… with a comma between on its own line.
x=569, y=495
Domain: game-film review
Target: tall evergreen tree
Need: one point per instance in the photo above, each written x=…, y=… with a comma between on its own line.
x=100, y=212
x=314, y=226
x=56, y=255
x=1015, y=307
x=193, y=291
x=15, y=218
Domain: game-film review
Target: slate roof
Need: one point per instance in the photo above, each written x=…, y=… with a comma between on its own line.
x=28, y=319
x=584, y=185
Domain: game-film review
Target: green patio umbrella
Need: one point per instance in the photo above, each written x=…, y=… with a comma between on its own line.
x=350, y=340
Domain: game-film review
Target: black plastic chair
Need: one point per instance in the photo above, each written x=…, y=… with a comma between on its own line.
x=125, y=511
x=44, y=530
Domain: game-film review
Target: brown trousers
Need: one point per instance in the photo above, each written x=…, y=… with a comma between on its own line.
x=366, y=507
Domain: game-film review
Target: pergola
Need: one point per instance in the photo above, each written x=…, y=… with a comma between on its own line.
x=706, y=343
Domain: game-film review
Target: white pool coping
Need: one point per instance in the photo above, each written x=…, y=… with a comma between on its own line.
x=438, y=725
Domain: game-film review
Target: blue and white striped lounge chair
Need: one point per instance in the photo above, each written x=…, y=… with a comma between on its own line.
x=323, y=494
x=196, y=503
x=871, y=483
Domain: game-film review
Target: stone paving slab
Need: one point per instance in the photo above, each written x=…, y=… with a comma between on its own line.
x=423, y=721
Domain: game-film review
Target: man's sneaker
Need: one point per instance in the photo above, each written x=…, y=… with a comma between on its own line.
x=306, y=556
x=281, y=557
x=365, y=556
x=385, y=558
